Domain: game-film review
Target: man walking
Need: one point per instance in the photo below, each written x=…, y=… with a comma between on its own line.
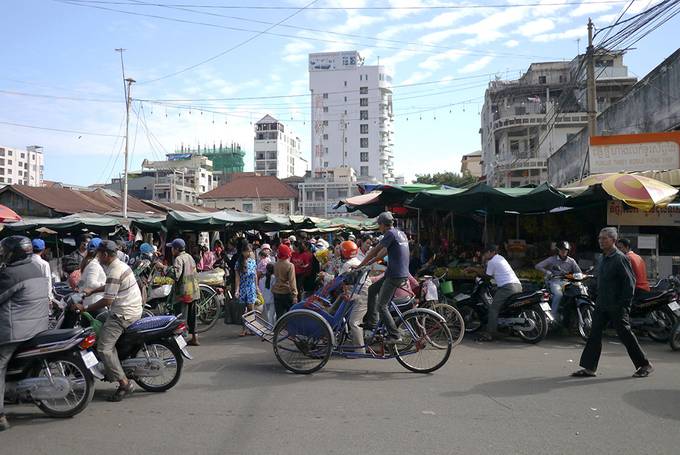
x=615, y=285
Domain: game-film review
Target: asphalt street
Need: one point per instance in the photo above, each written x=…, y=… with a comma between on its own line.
x=502, y=398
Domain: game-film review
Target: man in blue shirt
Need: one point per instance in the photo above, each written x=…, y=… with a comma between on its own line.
x=394, y=244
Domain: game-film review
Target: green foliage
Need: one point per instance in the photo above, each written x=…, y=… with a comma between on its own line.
x=453, y=179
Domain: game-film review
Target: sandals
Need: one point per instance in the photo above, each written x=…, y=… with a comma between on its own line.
x=122, y=392
x=583, y=373
x=644, y=371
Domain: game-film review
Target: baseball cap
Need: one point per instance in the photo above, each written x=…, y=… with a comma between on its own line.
x=38, y=244
x=178, y=244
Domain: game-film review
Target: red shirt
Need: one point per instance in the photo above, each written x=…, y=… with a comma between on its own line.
x=302, y=262
x=640, y=271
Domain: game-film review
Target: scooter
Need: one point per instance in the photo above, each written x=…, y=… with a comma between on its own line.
x=576, y=307
x=526, y=314
x=54, y=370
x=656, y=315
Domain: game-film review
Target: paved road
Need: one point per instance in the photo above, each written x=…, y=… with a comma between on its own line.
x=507, y=398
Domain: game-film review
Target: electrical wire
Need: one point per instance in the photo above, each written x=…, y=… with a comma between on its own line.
x=59, y=130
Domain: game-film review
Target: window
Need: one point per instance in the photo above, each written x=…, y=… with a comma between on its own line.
x=325, y=123
x=520, y=110
x=365, y=76
x=514, y=147
x=361, y=77
x=23, y=155
x=248, y=207
x=2, y=180
x=266, y=208
x=325, y=108
x=20, y=174
x=363, y=90
x=325, y=137
x=260, y=156
x=325, y=149
x=325, y=164
x=9, y=162
x=283, y=208
x=363, y=128
x=364, y=157
x=363, y=142
x=9, y=153
x=541, y=79
x=325, y=96
x=363, y=115
x=363, y=101
x=345, y=83
x=345, y=99
x=363, y=171
x=9, y=171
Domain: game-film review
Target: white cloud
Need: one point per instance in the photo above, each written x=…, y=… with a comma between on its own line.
x=296, y=51
x=574, y=33
x=476, y=65
x=548, y=8
x=588, y=7
x=435, y=62
x=511, y=43
x=416, y=77
x=536, y=27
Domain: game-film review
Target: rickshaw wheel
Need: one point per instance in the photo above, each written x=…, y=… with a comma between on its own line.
x=302, y=341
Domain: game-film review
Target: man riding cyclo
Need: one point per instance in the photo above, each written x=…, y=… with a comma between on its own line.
x=124, y=299
x=555, y=268
x=394, y=244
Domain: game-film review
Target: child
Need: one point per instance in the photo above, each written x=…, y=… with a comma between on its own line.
x=266, y=283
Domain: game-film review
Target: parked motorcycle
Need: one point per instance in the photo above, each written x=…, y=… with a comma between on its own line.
x=55, y=370
x=655, y=316
x=151, y=350
x=576, y=307
x=526, y=314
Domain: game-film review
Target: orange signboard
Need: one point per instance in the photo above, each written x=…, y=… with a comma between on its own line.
x=634, y=152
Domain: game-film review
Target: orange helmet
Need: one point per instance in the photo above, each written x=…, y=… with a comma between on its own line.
x=348, y=249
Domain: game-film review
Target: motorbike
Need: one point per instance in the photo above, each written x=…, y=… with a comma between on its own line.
x=576, y=307
x=151, y=350
x=54, y=370
x=526, y=314
x=656, y=315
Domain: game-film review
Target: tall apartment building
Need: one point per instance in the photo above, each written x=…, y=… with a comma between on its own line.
x=277, y=150
x=352, y=118
x=22, y=167
x=524, y=121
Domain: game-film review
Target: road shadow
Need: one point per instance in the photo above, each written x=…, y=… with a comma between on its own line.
x=529, y=386
x=662, y=403
x=19, y=419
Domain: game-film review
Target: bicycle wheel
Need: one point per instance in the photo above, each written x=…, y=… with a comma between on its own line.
x=426, y=342
x=208, y=310
x=302, y=341
x=454, y=320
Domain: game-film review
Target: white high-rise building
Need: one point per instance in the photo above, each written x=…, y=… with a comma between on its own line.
x=352, y=118
x=22, y=167
x=277, y=150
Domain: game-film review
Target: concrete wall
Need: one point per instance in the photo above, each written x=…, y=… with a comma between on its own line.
x=254, y=205
x=652, y=105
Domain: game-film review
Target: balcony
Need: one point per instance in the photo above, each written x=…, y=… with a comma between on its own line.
x=576, y=119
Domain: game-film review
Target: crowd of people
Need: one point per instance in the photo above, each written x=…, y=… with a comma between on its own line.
x=274, y=275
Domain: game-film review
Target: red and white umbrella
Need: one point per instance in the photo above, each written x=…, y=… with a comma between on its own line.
x=8, y=215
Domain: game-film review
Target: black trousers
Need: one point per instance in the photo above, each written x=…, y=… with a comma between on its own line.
x=621, y=320
x=282, y=303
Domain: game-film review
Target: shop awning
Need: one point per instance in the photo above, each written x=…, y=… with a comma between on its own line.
x=76, y=222
x=225, y=218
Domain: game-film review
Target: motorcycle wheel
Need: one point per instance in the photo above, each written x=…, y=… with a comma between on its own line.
x=666, y=317
x=675, y=337
x=208, y=311
x=70, y=366
x=171, y=356
x=536, y=314
x=471, y=318
x=586, y=312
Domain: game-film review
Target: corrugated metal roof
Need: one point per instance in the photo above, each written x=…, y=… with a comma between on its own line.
x=252, y=186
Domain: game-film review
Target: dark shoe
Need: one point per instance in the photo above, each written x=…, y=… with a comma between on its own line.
x=584, y=373
x=644, y=371
x=484, y=338
x=122, y=392
x=4, y=424
x=193, y=342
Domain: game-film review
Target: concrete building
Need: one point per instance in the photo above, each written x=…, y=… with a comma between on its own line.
x=277, y=150
x=317, y=196
x=226, y=160
x=652, y=105
x=22, y=167
x=352, y=118
x=524, y=121
x=472, y=164
x=253, y=193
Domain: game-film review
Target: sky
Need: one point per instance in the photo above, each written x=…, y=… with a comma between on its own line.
x=230, y=63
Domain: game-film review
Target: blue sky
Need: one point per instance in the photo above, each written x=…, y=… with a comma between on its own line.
x=65, y=49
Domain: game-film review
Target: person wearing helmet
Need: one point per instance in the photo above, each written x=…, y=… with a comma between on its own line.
x=555, y=268
x=37, y=257
x=23, y=293
x=394, y=244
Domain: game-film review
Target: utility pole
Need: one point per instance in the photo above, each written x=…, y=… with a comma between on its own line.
x=127, y=87
x=590, y=75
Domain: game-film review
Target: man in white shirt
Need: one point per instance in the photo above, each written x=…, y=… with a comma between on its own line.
x=38, y=251
x=507, y=284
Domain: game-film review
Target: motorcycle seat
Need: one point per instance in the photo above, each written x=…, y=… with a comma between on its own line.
x=524, y=295
x=150, y=323
x=656, y=296
x=51, y=336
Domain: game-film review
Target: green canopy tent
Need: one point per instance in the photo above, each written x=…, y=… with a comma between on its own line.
x=70, y=223
x=148, y=225
x=188, y=221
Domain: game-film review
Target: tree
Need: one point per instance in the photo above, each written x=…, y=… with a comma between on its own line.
x=447, y=178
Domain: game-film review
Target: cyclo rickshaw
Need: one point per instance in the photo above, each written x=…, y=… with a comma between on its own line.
x=306, y=336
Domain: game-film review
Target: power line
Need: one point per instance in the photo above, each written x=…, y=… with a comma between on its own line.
x=83, y=133
x=59, y=97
